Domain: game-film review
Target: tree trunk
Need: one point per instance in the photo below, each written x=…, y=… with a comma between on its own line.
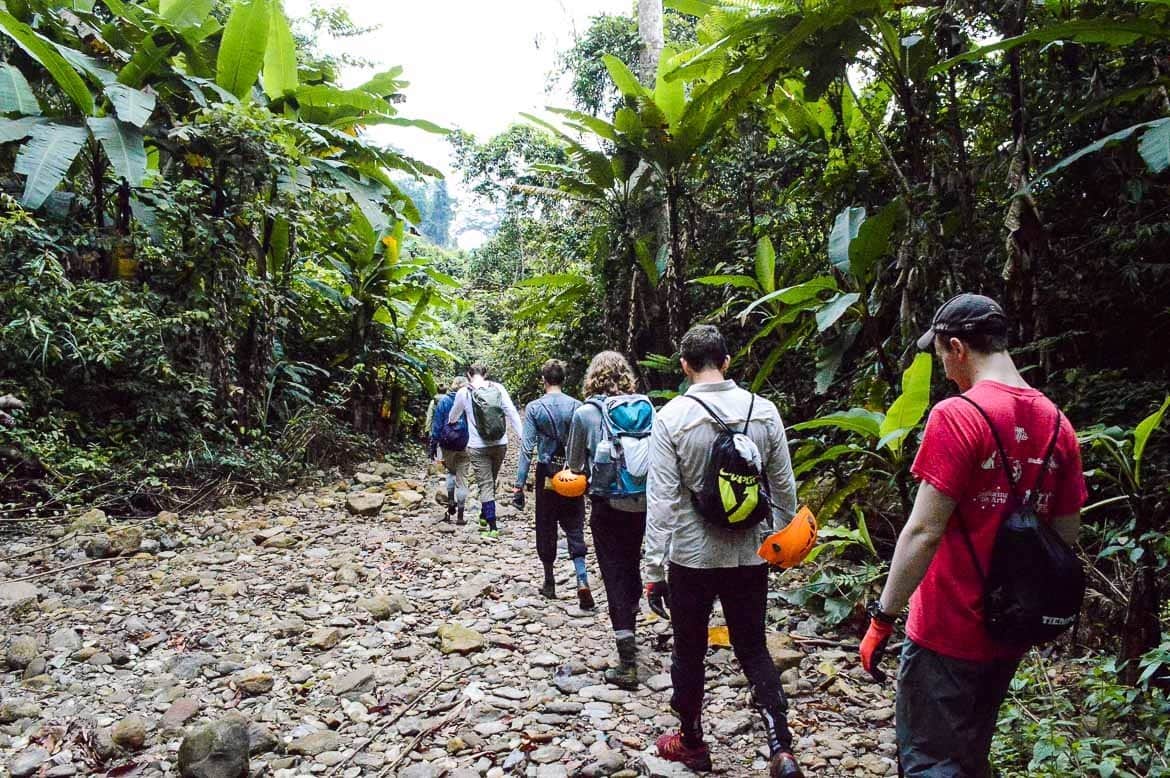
x=651, y=32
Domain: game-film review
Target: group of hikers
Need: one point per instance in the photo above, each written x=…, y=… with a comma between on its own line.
x=685, y=500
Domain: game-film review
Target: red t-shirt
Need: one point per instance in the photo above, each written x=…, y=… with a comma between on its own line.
x=958, y=457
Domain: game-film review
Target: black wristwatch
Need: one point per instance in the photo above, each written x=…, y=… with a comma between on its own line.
x=874, y=611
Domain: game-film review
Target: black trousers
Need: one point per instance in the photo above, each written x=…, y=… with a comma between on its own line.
x=552, y=511
x=744, y=594
x=617, y=541
x=946, y=712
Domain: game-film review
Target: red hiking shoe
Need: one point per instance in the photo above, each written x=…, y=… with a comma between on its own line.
x=672, y=748
x=783, y=765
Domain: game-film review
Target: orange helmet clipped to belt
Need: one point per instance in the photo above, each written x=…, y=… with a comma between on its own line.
x=789, y=546
x=569, y=484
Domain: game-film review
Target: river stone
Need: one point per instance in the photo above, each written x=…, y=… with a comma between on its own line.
x=22, y=650
x=383, y=606
x=89, y=521
x=325, y=638
x=365, y=503
x=354, y=682
x=15, y=710
x=457, y=639
x=187, y=667
x=254, y=682
x=315, y=743
x=261, y=740
x=129, y=733
x=65, y=639
x=27, y=762
x=216, y=750
x=17, y=592
x=179, y=713
x=125, y=540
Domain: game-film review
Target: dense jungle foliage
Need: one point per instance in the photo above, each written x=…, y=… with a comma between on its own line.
x=209, y=272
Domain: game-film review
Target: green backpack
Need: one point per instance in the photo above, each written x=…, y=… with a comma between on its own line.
x=487, y=405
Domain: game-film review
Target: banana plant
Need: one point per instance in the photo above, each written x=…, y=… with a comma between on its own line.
x=874, y=448
x=834, y=307
x=1143, y=542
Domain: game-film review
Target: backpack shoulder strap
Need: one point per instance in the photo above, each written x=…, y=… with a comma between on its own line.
x=711, y=413
x=600, y=406
x=555, y=429
x=748, y=420
x=1048, y=454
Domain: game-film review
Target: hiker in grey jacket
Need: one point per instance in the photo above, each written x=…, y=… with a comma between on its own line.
x=546, y=435
x=707, y=561
x=486, y=455
x=617, y=524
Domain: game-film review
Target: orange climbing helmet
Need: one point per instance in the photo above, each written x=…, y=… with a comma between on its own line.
x=569, y=484
x=790, y=546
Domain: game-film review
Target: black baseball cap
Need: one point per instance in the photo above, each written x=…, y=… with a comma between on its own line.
x=965, y=314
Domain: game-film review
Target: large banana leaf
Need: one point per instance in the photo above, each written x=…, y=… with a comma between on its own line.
x=15, y=94
x=910, y=406
x=123, y=145
x=184, y=14
x=46, y=159
x=145, y=62
x=132, y=105
x=19, y=129
x=47, y=55
x=280, y=57
x=241, y=51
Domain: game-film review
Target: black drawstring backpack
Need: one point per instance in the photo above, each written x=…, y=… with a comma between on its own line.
x=1033, y=587
x=734, y=493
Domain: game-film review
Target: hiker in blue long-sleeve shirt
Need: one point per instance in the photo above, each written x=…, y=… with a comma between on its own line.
x=455, y=460
x=546, y=432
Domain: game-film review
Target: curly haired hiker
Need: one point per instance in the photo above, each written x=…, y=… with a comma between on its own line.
x=609, y=441
x=979, y=452
x=546, y=431
x=488, y=409
x=690, y=560
x=448, y=444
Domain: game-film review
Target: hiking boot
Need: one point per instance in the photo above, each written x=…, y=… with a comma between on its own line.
x=783, y=765
x=549, y=590
x=585, y=598
x=625, y=675
x=673, y=749
x=490, y=534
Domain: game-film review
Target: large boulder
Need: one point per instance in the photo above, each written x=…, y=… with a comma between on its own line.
x=218, y=749
x=365, y=503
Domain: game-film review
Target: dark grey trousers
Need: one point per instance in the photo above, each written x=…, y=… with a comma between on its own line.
x=946, y=713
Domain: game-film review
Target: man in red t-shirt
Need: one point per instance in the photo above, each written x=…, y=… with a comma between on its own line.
x=954, y=676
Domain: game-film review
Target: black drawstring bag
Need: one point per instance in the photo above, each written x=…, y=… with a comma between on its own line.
x=1033, y=588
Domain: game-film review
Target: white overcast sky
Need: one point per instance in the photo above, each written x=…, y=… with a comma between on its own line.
x=472, y=64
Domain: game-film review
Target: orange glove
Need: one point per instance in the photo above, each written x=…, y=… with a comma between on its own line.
x=873, y=647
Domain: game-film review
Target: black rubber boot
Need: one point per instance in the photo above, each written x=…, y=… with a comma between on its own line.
x=625, y=675
x=459, y=516
x=549, y=590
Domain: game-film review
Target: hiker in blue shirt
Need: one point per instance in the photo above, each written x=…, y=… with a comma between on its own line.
x=455, y=459
x=546, y=431
x=609, y=440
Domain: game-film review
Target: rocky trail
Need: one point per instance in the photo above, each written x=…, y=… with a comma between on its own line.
x=346, y=630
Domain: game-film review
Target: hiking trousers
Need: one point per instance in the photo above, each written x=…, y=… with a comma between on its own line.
x=457, y=464
x=946, y=712
x=485, y=466
x=617, y=541
x=743, y=591
x=552, y=511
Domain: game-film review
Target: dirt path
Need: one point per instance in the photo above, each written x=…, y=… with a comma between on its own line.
x=323, y=630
